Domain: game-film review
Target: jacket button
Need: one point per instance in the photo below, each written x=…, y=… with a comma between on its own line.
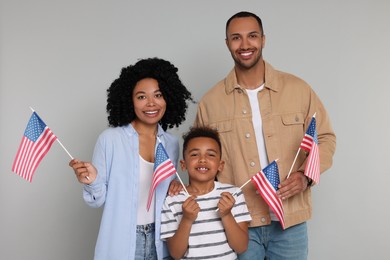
x=244, y=111
x=247, y=135
x=263, y=219
x=252, y=164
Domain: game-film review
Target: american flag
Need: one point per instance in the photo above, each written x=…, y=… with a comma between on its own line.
x=36, y=142
x=310, y=144
x=163, y=168
x=266, y=182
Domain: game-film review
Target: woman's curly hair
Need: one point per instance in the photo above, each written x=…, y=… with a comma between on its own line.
x=120, y=107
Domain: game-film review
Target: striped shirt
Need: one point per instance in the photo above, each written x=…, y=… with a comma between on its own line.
x=207, y=238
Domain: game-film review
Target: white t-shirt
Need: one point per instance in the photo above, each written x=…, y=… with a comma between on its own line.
x=258, y=127
x=207, y=238
x=258, y=124
x=145, y=180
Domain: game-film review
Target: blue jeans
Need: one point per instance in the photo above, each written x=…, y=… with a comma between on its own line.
x=271, y=242
x=145, y=246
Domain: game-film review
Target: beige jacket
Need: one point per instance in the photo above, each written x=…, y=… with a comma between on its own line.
x=287, y=105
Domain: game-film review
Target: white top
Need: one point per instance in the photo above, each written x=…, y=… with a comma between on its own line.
x=145, y=180
x=258, y=127
x=207, y=238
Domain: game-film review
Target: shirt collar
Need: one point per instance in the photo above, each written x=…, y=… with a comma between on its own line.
x=130, y=129
x=270, y=82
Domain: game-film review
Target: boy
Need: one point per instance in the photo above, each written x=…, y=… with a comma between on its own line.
x=211, y=223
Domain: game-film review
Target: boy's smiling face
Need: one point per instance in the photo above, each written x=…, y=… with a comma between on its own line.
x=202, y=159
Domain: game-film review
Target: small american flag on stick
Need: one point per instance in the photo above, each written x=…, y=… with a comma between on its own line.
x=36, y=143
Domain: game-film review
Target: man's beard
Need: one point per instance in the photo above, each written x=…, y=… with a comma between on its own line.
x=246, y=66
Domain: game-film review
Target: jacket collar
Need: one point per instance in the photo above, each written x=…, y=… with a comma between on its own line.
x=270, y=81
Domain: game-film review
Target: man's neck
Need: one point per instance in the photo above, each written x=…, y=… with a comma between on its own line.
x=251, y=78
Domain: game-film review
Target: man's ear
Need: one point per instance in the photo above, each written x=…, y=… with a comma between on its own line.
x=263, y=41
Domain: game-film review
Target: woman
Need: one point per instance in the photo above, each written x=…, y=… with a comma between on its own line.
x=146, y=100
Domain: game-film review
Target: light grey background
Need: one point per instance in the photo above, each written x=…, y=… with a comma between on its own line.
x=60, y=57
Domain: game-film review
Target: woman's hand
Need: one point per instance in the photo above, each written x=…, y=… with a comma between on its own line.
x=85, y=172
x=174, y=188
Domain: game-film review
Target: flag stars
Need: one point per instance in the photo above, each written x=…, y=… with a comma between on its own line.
x=311, y=130
x=272, y=174
x=34, y=128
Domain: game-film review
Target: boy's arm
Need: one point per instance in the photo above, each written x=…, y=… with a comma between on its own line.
x=178, y=243
x=236, y=233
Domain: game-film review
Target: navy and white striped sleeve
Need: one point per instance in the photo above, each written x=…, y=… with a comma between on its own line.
x=169, y=220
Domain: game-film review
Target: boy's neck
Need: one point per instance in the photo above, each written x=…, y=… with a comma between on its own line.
x=200, y=188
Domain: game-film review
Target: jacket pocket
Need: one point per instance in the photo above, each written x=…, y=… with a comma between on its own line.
x=222, y=126
x=293, y=119
x=292, y=131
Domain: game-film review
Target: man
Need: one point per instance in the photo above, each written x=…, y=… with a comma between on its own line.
x=262, y=115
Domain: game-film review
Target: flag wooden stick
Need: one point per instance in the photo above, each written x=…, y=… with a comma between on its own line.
x=247, y=182
x=63, y=147
x=296, y=156
x=178, y=176
x=182, y=184
x=242, y=186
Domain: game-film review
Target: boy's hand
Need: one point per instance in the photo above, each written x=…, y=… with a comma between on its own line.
x=174, y=188
x=190, y=209
x=225, y=204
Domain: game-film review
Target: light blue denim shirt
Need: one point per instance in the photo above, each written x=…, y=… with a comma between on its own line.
x=116, y=158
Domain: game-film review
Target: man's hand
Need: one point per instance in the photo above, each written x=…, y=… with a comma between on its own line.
x=296, y=183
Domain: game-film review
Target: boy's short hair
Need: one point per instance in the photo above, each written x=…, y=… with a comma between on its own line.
x=202, y=131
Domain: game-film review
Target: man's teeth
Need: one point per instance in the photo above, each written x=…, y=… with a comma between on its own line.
x=246, y=53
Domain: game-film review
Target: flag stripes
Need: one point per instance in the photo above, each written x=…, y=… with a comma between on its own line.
x=268, y=192
x=312, y=169
x=269, y=195
x=307, y=142
x=36, y=143
x=310, y=144
x=163, y=168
